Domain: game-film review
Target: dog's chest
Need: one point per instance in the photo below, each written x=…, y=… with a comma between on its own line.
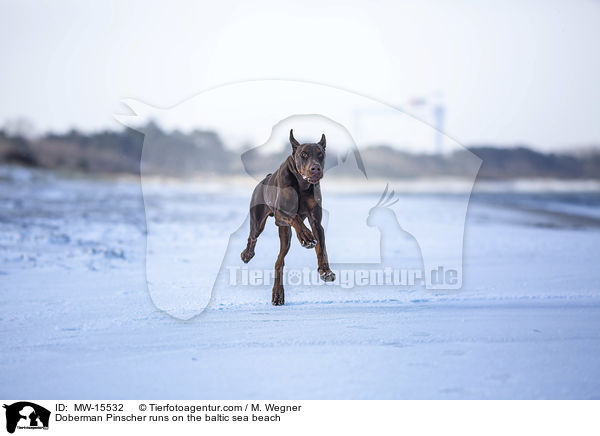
x=306, y=205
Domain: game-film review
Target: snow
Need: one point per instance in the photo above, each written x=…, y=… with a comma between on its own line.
x=78, y=321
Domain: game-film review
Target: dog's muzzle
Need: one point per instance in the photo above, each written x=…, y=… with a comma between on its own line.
x=313, y=179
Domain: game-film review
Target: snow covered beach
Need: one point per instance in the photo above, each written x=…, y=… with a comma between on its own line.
x=77, y=320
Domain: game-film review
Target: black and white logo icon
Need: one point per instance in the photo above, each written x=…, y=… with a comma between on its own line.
x=26, y=415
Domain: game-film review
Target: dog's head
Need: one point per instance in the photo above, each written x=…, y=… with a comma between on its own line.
x=309, y=158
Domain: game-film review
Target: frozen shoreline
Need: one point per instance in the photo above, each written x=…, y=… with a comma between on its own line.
x=77, y=319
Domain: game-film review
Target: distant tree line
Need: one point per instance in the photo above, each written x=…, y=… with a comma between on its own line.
x=176, y=153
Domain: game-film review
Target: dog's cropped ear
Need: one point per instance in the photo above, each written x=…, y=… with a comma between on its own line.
x=322, y=141
x=293, y=141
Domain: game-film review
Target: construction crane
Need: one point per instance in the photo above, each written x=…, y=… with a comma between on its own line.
x=430, y=110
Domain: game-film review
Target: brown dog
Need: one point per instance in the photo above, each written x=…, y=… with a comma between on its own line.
x=291, y=194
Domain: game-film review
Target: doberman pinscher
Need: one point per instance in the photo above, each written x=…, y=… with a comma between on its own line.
x=291, y=194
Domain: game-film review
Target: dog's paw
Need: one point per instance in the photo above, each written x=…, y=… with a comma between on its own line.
x=278, y=297
x=247, y=255
x=306, y=238
x=308, y=243
x=327, y=275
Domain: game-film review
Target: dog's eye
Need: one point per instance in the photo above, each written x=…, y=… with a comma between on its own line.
x=303, y=155
x=320, y=156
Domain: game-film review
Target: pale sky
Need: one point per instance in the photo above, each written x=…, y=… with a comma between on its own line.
x=508, y=72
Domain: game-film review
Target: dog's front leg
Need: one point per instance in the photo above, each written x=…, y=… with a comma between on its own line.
x=305, y=236
x=323, y=262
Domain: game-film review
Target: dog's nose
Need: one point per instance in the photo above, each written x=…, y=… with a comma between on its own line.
x=316, y=169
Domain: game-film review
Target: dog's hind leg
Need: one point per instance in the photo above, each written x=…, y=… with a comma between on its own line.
x=285, y=239
x=258, y=218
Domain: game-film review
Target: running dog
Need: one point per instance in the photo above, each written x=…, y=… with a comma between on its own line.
x=291, y=194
